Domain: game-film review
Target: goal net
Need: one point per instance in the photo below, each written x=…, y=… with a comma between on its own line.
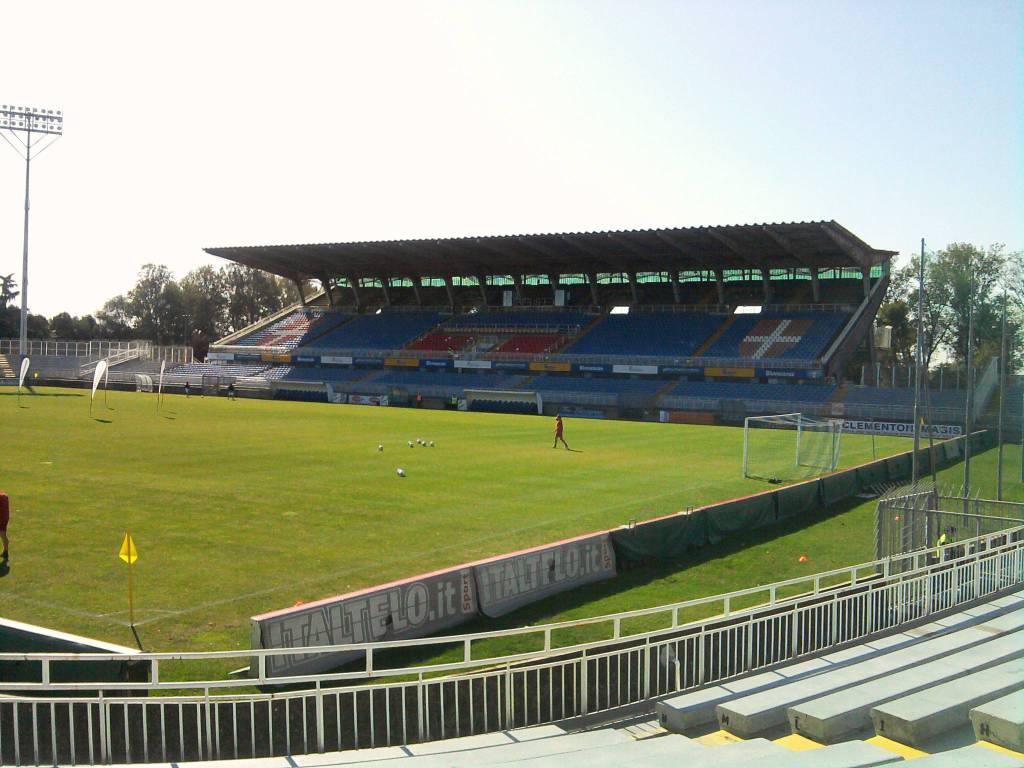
x=790, y=446
x=143, y=382
x=211, y=384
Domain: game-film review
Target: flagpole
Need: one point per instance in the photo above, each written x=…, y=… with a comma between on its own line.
x=1002, y=401
x=131, y=596
x=919, y=356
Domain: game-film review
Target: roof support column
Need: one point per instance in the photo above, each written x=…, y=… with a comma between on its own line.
x=482, y=280
x=451, y=292
x=416, y=290
x=353, y=283
x=673, y=277
x=553, y=282
x=385, y=286
x=631, y=276
x=720, y=284
x=595, y=297
x=815, y=285
x=866, y=272
x=517, y=281
x=302, y=291
x=326, y=284
x=766, y=285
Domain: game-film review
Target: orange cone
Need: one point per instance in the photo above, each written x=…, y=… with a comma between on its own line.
x=804, y=558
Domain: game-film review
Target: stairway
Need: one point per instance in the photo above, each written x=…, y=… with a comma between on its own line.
x=6, y=371
x=710, y=341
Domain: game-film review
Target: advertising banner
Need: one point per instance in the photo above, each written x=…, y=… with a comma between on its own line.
x=734, y=373
x=335, y=360
x=308, y=359
x=681, y=370
x=784, y=373
x=648, y=370
x=248, y=358
x=511, y=365
x=369, y=362
x=402, y=362
x=435, y=363
x=509, y=582
x=401, y=610
x=900, y=429
x=550, y=366
x=483, y=364
x=592, y=368
x=220, y=356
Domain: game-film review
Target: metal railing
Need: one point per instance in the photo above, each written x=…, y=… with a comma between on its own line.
x=823, y=611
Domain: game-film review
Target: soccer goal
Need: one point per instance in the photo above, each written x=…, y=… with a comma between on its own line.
x=790, y=446
x=211, y=384
x=143, y=382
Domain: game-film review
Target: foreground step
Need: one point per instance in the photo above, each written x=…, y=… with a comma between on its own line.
x=1001, y=721
x=920, y=716
x=848, y=754
x=839, y=715
x=749, y=715
x=974, y=756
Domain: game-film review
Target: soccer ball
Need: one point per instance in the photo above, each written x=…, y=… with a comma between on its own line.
x=431, y=443
x=401, y=472
x=410, y=443
x=380, y=447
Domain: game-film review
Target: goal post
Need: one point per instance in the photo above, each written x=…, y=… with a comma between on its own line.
x=790, y=446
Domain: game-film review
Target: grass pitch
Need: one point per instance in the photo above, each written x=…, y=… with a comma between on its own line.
x=247, y=506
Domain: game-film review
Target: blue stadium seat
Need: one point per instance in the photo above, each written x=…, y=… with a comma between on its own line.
x=811, y=345
x=608, y=386
x=219, y=369
x=387, y=330
x=416, y=378
x=948, y=398
x=307, y=373
x=653, y=334
x=725, y=390
x=293, y=330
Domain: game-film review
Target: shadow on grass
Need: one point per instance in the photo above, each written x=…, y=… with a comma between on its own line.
x=42, y=394
x=103, y=421
x=4, y=569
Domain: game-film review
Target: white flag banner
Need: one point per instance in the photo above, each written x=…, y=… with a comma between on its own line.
x=24, y=372
x=101, y=369
x=160, y=385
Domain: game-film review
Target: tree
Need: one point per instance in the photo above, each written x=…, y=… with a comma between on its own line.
x=7, y=290
x=205, y=302
x=115, y=319
x=896, y=314
x=253, y=294
x=62, y=326
x=154, y=310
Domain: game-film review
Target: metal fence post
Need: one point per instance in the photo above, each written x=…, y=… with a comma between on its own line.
x=584, y=708
x=320, y=717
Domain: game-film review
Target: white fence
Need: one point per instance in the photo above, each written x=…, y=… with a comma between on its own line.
x=51, y=722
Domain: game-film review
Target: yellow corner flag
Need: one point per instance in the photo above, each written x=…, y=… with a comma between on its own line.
x=128, y=551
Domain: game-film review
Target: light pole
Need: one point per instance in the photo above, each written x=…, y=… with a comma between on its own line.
x=30, y=127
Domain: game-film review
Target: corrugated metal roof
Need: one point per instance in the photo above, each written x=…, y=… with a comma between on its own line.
x=774, y=245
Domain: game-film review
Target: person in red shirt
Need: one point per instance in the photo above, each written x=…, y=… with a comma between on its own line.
x=5, y=517
x=558, y=433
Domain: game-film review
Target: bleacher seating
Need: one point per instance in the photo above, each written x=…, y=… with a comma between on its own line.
x=327, y=373
x=386, y=330
x=947, y=398
x=648, y=334
x=727, y=390
x=1001, y=720
x=531, y=344
x=219, y=369
x=609, y=386
x=522, y=320
x=414, y=378
x=778, y=336
x=55, y=363
x=293, y=330
x=917, y=687
x=442, y=342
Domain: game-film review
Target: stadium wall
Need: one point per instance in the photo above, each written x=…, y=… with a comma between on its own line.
x=439, y=601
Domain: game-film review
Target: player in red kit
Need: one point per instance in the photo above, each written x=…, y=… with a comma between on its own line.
x=5, y=517
x=558, y=433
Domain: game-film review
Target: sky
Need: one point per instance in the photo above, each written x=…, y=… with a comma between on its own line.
x=189, y=125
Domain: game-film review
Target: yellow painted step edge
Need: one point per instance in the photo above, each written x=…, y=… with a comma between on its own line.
x=798, y=743
x=902, y=750
x=997, y=748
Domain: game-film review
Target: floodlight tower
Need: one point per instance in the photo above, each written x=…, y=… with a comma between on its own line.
x=30, y=127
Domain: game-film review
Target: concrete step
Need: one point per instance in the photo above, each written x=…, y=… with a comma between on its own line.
x=1001, y=721
x=974, y=756
x=758, y=712
x=921, y=716
x=840, y=714
x=847, y=754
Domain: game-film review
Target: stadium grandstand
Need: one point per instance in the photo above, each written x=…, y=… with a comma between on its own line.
x=615, y=324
